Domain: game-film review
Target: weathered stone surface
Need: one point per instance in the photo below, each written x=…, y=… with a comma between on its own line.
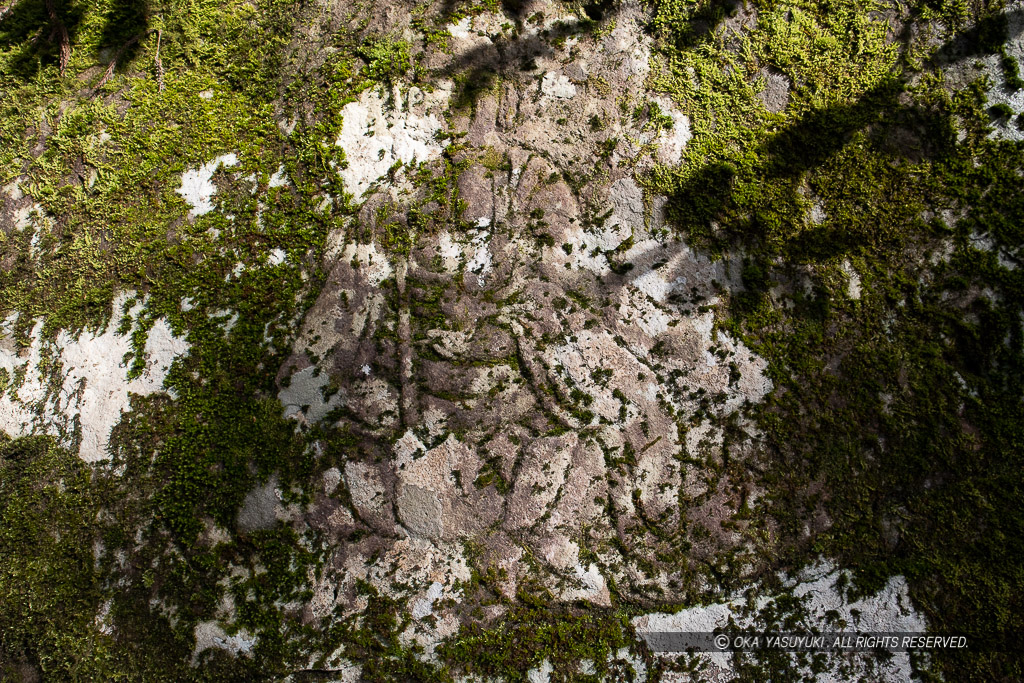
x=530, y=373
x=513, y=380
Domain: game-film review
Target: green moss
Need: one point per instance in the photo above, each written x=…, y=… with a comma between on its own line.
x=386, y=59
x=532, y=633
x=372, y=640
x=107, y=175
x=50, y=593
x=897, y=403
x=1001, y=111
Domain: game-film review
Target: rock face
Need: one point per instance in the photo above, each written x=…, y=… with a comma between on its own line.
x=528, y=357
x=530, y=361
x=427, y=380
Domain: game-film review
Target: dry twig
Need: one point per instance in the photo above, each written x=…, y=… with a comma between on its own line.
x=159, y=64
x=113, y=62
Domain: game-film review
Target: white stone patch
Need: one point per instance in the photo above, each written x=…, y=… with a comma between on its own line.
x=753, y=385
x=853, y=285
x=461, y=29
x=560, y=552
x=638, y=664
x=694, y=620
x=888, y=610
x=659, y=283
x=226, y=318
x=597, y=350
x=425, y=605
x=373, y=264
x=407, y=447
x=13, y=190
x=450, y=252
x=557, y=86
x=973, y=66
x=23, y=216
x=365, y=486
x=817, y=214
x=342, y=670
x=704, y=435
x=638, y=310
x=672, y=141
x=16, y=416
x=628, y=46
x=470, y=33
x=1007, y=129
x=592, y=586
x=981, y=242
x=102, y=620
x=541, y=674
x=197, y=188
x=451, y=343
x=655, y=286
x=276, y=257
x=209, y=635
x=33, y=245
x=378, y=131
x=436, y=572
x=306, y=391
x=94, y=386
x=626, y=200
x=279, y=179
x=481, y=261
x=331, y=477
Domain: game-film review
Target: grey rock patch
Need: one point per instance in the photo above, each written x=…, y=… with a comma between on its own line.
x=303, y=398
x=775, y=94
x=540, y=359
x=261, y=508
x=420, y=511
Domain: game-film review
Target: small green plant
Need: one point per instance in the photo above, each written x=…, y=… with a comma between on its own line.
x=1001, y=111
x=386, y=59
x=1011, y=71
